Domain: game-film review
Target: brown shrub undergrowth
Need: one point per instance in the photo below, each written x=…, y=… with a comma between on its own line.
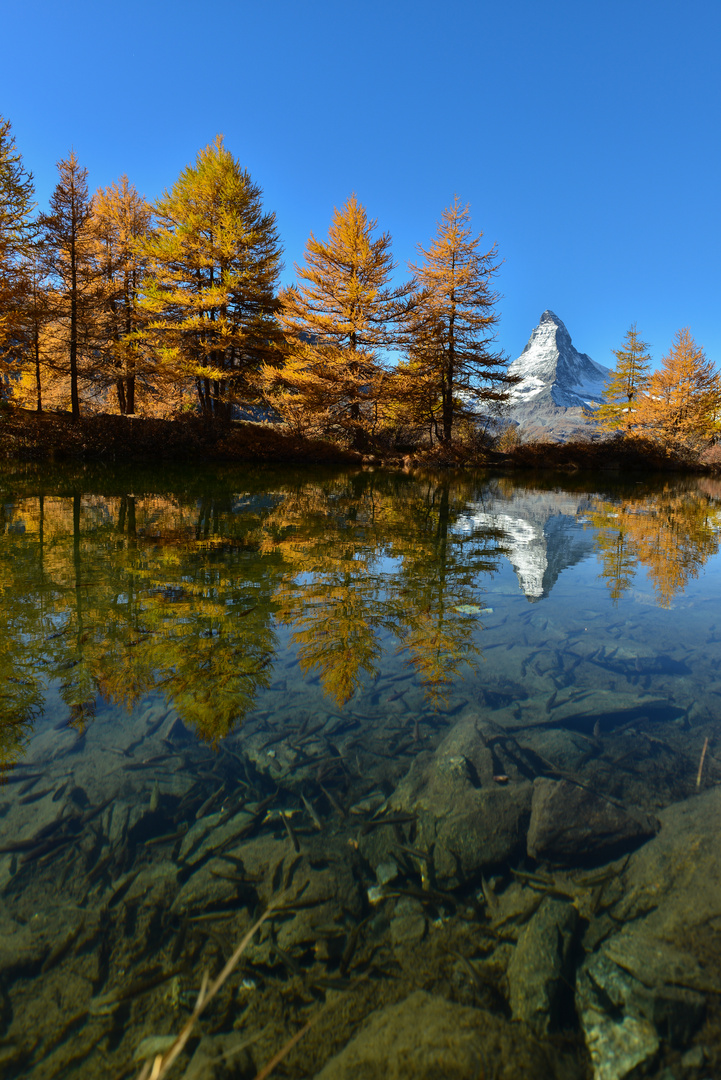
x=29, y=436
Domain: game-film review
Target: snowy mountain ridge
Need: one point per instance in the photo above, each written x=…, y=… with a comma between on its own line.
x=550, y=362
x=558, y=388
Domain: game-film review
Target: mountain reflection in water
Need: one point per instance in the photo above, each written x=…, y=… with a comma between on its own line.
x=475, y=816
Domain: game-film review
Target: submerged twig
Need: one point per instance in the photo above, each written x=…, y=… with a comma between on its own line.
x=312, y=813
x=276, y=1060
x=158, y=1068
x=700, y=764
x=291, y=832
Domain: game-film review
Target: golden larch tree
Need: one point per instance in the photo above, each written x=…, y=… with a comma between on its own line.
x=34, y=318
x=628, y=379
x=338, y=321
x=16, y=234
x=69, y=254
x=681, y=407
x=213, y=262
x=454, y=321
x=120, y=222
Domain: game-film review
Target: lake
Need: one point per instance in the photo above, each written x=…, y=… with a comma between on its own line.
x=455, y=736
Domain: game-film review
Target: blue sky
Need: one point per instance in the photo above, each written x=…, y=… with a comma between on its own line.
x=585, y=136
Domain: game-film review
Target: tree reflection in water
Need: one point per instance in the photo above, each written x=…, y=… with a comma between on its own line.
x=377, y=555
x=670, y=531
x=115, y=596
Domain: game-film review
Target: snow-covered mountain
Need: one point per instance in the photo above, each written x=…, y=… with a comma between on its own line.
x=559, y=387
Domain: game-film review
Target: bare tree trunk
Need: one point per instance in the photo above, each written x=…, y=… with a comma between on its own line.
x=38, y=382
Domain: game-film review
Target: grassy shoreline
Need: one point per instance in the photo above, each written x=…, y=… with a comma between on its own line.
x=26, y=435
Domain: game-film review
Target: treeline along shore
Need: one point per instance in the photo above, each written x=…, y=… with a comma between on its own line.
x=130, y=328
x=29, y=436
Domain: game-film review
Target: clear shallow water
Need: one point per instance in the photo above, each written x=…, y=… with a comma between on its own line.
x=222, y=689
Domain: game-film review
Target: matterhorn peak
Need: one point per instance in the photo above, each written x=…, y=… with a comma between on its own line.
x=554, y=377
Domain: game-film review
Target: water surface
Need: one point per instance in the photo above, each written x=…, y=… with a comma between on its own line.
x=225, y=688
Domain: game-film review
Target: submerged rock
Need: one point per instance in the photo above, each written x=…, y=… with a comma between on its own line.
x=681, y=864
x=569, y=822
x=467, y=819
x=39, y=943
x=386, y=872
x=489, y=830
x=539, y=972
x=152, y=1045
x=427, y=1037
x=408, y=925
x=616, y=1046
x=640, y=987
x=629, y=985
x=205, y=891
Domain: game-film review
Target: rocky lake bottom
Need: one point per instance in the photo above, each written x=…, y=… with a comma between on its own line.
x=460, y=735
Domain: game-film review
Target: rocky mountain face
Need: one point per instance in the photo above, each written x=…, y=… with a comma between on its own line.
x=559, y=388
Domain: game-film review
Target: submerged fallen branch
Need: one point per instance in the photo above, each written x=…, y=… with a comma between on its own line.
x=158, y=1067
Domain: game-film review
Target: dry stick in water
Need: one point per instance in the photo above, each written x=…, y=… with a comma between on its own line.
x=268, y=1069
x=700, y=764
x=160, y=1066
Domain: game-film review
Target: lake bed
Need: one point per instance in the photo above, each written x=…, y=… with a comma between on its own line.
x=435, y=722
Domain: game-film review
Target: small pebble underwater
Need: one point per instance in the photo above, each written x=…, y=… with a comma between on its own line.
x=453, y=739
